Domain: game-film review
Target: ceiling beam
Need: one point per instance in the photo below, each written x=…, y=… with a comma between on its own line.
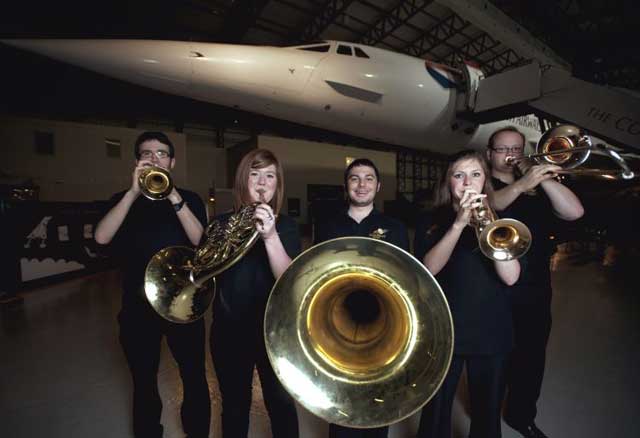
x=392, y=20
x=240, y=17
x=436, y=35
x=330, y=12
x=472, y=50
x=488, y=18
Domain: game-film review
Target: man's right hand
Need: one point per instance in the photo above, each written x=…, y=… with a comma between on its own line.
x=535, y=175
x=135, y=187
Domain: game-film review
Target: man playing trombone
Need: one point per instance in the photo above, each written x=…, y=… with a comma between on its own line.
x=136, y=228
x=536, y=199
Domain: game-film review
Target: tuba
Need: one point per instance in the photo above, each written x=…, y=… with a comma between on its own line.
x=155, y=182
x=569, y=147
x=179, y=282
x=499, y=239
x=359, y=332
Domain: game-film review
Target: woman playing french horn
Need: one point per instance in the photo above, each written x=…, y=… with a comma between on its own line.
x=237, y=340
x=477, y=290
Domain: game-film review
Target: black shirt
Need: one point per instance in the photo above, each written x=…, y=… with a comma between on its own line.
x=478, y=298
x=149, y=227
x=343, y=225
x=244, y=288
x=536, y=212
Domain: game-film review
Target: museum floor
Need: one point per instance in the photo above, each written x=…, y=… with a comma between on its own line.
x=62, y=373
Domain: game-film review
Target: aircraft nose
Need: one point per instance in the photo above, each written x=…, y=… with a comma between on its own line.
x=163, y=65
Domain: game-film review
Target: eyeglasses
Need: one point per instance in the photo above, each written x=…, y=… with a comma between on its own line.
x=147, y=154
x=509, y=149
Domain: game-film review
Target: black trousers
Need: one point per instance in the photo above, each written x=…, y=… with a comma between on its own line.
x=336, y=431
x=486, y=375
x=141, y=331
x=236, y=348
x=531, y=308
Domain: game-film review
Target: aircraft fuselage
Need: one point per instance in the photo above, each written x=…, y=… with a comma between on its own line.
x=349, y=88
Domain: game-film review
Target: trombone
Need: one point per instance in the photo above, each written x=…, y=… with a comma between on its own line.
x=569, y=147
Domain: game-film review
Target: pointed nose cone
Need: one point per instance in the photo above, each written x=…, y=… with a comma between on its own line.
x=163, y=65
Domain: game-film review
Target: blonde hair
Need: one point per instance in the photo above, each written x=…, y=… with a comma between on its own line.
x=443, y=189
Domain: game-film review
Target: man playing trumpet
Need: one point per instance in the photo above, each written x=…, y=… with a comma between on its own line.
x=136, y=228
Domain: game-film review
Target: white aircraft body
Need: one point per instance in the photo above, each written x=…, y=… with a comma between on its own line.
x=348, y=88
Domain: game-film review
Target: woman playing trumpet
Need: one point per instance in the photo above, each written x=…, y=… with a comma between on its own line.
x=237, y=340
x=477, y=290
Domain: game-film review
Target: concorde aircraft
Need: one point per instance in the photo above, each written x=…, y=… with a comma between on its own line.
x=344, y=87
x=348, y=88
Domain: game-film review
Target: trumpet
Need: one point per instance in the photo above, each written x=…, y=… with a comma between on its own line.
x=568, y=146
x=499, y=239
x=155, y=183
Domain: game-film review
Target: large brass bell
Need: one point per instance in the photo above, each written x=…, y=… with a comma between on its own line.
x=359, y=332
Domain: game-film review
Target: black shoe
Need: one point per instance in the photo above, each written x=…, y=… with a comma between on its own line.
x=529, y=431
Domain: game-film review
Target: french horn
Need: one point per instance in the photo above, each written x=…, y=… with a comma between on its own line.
x=179, y=282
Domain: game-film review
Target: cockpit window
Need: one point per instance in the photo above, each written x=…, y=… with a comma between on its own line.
x=323, y=48
x=360, y=53
x=344, y=50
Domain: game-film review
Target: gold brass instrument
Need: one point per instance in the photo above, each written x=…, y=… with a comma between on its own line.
x=180, y=282
x=569, y=147
x=499, y=239
x=155, y=182
x=359, y=332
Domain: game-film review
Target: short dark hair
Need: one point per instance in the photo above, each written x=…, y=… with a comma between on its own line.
x=153, y=135
x=512, y=128
x=360, y=162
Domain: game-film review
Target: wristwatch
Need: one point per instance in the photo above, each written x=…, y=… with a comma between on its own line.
x=177, y=207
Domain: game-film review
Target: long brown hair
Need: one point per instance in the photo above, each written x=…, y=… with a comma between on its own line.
x=443, y=189
x=257, y=159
